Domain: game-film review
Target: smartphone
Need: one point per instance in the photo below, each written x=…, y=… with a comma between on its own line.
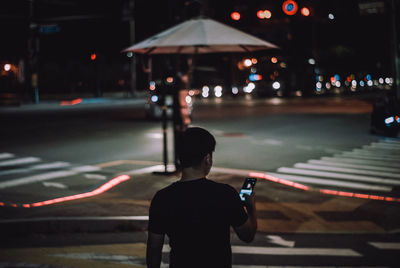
x=247, y=187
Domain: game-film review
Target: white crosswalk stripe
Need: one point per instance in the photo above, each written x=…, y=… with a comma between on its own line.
x=339, y=252
x=6, y=155
x=347, y=170
x=367, y=167
x=46, y=176
x=19, y=161
x=13, y=169
x=360, y=161
x=375, y=168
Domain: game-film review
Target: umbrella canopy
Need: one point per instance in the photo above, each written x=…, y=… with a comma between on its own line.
x=200, y=35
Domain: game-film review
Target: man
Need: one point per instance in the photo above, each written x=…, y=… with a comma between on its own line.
x=196, y=213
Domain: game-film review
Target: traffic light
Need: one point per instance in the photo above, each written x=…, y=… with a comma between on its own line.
x=235, y=15
x=93, y=56
x=264, y=14
x=290, y=7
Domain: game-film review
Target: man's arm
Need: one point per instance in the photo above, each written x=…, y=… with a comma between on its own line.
x=247, y=231
x=155, y=244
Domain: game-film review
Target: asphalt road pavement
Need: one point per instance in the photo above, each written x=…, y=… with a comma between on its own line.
x=297, y=147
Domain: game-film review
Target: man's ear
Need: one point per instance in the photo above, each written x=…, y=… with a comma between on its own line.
x=208, y=159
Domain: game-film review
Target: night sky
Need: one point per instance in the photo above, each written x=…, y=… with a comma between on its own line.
x=350, y=41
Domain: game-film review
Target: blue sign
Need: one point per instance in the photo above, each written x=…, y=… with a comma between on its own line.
x=49, y=29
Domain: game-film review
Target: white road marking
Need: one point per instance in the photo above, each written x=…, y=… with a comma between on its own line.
x=380, y=150
x=85, y=169
x=275, y=239
x=368, y=167
x=386, y=245
x=149, y=169
x=58, y=164
x=347, y=170
x=19, y=161
x=54, y=165
x=104, y=258
x=342, y=252
x=6, y=155
x=360, y=161
x=55, y=185
x=85, y=218
x=337, y=175
x=385, y=145
x=47, y=176
x=383, y=155
x=335, y=183
x=95, y=176
x=339, y=252
x=370, y=157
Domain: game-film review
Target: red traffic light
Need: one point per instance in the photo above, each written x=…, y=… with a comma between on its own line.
x=93, y=56
x=305, y=11
x=235, y=15
x=290, y=7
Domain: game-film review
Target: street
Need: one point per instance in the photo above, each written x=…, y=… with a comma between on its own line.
x=318, y=166
x=268, y=135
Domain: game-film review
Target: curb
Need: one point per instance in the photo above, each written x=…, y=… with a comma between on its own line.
x=53, y=225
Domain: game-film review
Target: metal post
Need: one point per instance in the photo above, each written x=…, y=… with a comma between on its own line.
x=165, y=133
x=33, y=49
x=395, y=54
x=132, y=41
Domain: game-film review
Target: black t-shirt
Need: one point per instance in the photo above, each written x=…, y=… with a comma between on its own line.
x=197, y=215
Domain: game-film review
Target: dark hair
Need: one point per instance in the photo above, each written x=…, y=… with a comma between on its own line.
x=194, y=145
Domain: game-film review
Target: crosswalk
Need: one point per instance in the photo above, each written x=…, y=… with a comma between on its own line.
x=46, y=179
x=372, y=169
x=306, y=250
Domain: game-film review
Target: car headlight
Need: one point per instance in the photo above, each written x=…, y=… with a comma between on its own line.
x=276, y=85
x=154, y=98
x=389, y=120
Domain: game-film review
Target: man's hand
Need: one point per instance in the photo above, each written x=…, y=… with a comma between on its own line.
x=250, y=202
x=247, y=231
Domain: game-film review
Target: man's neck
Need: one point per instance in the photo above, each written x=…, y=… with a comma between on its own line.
x=190, y=174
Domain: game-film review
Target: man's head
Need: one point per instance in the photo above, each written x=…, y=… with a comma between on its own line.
x=197, y=144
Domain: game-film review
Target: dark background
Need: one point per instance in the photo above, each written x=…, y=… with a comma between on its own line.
x=351, y=43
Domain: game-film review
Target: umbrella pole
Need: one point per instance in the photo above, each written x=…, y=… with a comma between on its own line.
x=165, y=136
x=165, y=133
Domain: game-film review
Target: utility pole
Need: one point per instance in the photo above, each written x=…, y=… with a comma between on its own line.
x=395, y=50
x=131, y=6
x=33, y=50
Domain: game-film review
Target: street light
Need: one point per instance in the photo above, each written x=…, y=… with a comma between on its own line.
x=7, y=67
x=264, y=14
x=305, y=12
x=235, y=15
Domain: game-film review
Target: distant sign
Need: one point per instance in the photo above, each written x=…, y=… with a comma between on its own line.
x=49, y=29
x=371, y=7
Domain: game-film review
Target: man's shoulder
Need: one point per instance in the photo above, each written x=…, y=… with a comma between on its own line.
x=221, y=186
x=166, y=189
x=205, y=184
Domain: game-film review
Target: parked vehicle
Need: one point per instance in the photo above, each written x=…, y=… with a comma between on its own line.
x=385, y=117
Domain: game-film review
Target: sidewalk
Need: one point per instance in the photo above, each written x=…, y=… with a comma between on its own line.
x=77, y=102
x=281, y=209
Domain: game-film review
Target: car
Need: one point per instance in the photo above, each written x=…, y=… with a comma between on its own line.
x=385, y=117
x=160, y=94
